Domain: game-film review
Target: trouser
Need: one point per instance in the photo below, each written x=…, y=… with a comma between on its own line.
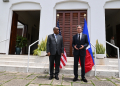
x=76, y=59
x=54, y=58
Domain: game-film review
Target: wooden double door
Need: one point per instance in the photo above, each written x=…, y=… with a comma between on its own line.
x=68, y=20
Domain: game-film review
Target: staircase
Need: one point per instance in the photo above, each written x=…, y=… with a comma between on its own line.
x=18, y=63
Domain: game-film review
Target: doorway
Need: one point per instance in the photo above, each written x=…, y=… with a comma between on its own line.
x=112, y=19
x=23, y=23
x=68, y=20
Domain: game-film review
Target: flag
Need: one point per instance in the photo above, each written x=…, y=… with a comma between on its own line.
x=63, y=59
x=89, y=60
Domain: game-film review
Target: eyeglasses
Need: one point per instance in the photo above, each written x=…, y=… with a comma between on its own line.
x=79, y=28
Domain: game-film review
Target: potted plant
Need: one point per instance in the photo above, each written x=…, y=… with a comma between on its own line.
x=20, y=43
x=100, y=50
x=41, y=50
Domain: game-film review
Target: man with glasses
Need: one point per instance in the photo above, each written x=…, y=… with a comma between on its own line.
x=80, y=42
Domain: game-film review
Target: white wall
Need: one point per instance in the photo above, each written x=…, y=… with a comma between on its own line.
x=95, y=11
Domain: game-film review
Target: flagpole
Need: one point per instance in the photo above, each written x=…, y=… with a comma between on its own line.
x=57, y=17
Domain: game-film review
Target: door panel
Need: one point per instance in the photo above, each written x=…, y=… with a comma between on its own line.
x=13, y=33
x=19, y=31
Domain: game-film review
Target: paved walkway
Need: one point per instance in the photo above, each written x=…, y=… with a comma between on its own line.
x=32, y=79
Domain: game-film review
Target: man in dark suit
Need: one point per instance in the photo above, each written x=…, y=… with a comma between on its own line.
x=54, y=50
x=80, y=42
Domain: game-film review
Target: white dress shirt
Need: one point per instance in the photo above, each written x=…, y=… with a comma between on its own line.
x=80, y=35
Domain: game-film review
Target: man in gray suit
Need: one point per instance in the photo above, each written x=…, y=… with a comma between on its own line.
x=54, y=50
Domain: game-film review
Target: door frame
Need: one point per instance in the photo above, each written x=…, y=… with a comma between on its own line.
x=84, y=6
x=118, y=45
x=20, y=8
x=71, y=13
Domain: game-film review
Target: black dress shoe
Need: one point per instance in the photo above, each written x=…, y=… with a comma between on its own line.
x=84, y=80
x=56, y=77
x=75, y=79
x=51, y=77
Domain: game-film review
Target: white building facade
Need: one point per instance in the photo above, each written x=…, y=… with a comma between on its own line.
x=47, y=18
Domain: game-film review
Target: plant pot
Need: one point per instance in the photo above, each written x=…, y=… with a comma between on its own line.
x=43, y=53
x=100, y=56
x=18, y=50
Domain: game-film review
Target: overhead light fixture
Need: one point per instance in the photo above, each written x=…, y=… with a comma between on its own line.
x=5, y=0
x=57, y=15
x=84, y=15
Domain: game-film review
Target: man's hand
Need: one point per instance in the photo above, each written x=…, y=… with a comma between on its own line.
x=48, y=53
x=76, y=47
x=81, y=47
x=61, y=54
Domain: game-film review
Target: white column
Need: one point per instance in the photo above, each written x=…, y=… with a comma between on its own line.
x=97, y=22
x=46, y=21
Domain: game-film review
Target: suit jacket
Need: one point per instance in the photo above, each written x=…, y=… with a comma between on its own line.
x=83, y=41
x=53, y=46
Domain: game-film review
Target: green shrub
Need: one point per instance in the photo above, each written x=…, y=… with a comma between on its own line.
x=100, y=49
x=41, y=47
x=21, y=41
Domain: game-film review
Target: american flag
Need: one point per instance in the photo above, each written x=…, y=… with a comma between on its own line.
x=63, y=60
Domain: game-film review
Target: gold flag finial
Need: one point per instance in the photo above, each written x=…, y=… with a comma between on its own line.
x=85, y=15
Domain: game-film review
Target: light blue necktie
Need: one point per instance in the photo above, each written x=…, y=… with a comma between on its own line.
x=56, y=37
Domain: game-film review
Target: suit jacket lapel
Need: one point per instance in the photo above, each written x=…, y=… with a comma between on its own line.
x=54, y=37
x=76, y=36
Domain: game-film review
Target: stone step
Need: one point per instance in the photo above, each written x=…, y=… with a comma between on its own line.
x=102, y=67
x=38, y=65
x=34, y=63
x=7, y=63
x=106, y=61
x=18, y=63
x=17, y=56
x=110, y=59
x=17, y=60
x=32, y=58
x=113, y=73
x=113, y=62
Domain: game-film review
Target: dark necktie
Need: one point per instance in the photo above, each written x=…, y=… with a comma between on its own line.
x=79, y=38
